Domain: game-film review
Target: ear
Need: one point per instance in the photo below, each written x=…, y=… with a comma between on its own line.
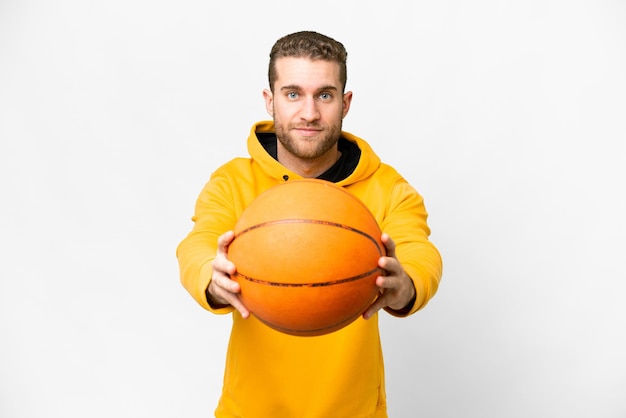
x=347, y=99
x=269, y=101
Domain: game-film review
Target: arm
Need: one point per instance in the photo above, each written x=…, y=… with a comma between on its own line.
x=412, y=264
x=200, y=256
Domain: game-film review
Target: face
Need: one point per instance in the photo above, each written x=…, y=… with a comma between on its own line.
x=308, y=106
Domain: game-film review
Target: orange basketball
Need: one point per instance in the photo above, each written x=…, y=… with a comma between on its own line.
x=307, y=255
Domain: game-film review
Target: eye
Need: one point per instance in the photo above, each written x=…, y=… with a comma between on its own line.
x=292, y=95
x=326, y=96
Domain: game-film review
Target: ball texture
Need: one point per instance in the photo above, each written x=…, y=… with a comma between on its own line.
x=306, y=253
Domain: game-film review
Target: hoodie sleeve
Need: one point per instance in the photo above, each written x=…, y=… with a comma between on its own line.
x=212, y=217
x=406, y=224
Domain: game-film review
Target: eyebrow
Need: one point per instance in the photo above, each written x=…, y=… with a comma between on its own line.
x=296, y=87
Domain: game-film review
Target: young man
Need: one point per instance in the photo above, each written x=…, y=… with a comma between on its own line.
x=270, y=374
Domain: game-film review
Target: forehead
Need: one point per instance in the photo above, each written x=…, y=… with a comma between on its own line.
x=304, y=72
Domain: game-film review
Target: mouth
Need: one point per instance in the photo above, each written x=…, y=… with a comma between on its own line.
x=308, y=130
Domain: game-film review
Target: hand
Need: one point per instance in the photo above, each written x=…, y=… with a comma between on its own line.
x=222, y=289
x=396, y=287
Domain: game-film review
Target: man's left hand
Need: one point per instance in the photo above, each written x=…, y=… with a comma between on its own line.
x=396, y=287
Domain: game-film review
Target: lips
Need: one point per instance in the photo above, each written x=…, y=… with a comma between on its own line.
x=308, y=130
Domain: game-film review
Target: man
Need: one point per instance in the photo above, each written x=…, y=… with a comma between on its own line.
x=270, y=374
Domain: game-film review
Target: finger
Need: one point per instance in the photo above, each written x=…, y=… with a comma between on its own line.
x=384, y=282
x=391, y=266
x=237, y=304
x=231, y=290
x=390, y=244
x=378, y=304
x=389, y=287
x=223, y=282
x=224, y=240
x=223, y=268
x=225, y=291
x=221, y=263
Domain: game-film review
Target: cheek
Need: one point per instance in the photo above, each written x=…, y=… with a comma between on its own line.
x=337, y=113
x=282, y=111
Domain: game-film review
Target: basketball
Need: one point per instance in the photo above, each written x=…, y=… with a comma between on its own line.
x=306, y=253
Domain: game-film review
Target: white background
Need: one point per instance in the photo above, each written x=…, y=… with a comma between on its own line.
x=508, y=116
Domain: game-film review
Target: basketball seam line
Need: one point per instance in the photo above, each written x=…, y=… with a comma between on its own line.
x=320, y=284
x=304, y=332
x=311, y=221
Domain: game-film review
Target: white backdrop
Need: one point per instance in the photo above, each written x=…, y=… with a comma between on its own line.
x=509, y=118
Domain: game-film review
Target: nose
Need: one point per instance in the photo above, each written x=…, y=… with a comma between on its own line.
x=310, y=111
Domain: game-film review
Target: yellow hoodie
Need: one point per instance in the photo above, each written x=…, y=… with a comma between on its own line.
x=274, y=375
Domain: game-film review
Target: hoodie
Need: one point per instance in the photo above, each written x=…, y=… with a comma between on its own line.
x=269, y=374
